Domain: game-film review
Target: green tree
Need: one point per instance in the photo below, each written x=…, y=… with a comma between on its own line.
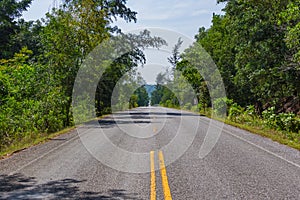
x=29, y=36
x=142, y=96
x=260, y=51
x=219, y=42
x=289, y=21
x=124, y=64
x=73, y=31
x=10, y=11
x=29, y=100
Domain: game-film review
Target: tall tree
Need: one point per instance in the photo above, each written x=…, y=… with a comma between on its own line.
x=143, y=98
x=289, y=21
x=73, y=31
x=175, y=58
x=219, y=42
x=256, y=46
x=10, y=11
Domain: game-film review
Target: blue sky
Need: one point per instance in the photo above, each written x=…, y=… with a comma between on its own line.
x=183, y=16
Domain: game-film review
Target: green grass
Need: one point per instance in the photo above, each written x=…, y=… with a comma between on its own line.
x=34, y=139
x=275, y=135
x=278, y=136
x=29, y=141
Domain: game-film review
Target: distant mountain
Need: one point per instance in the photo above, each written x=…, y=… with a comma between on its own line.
x=150, y=89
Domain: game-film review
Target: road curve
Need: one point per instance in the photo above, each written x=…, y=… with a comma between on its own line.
x=128, y=155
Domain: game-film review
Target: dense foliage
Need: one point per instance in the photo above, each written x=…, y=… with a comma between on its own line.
x=39, y=62
x=139, y=98
x=256, y=47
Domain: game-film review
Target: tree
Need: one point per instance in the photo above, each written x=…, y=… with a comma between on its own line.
x=175, y=58
x=162, y=95
x=124, y=64
x=289, y=21
x=10, y=11
x=158, y=93
x=219, y=42
x=142, y=96
x=252, y=51
x=29, y=36
x=73, y=31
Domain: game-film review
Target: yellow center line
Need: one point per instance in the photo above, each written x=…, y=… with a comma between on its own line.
x=153, y=184
x=164, y=177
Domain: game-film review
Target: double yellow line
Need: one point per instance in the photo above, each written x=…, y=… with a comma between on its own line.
x=164, y=177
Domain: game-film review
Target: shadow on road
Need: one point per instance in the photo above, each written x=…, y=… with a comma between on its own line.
x=18, y=186
x=157, y=113
x=134, y=117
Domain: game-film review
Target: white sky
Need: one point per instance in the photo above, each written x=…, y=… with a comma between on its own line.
x=185, y=17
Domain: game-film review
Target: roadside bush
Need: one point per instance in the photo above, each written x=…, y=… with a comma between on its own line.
x=221, y=106
x=31, y=102
x=133, y=101
x=282, y=121
x=288, y=122
x=187, y=106
x=250, y=113
x=236, y=113
x=195, y=108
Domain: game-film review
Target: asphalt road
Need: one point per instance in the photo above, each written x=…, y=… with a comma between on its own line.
x=152, y=153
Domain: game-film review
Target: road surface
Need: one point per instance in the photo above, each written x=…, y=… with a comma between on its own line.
x=84, y=165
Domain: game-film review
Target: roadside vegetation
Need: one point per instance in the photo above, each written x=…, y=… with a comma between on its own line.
x=39, y=61
x=256, y=47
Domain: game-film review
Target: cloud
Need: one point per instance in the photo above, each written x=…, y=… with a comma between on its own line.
x=183, y=16
x=181, y=5
x=200, y=12
x=171, y=9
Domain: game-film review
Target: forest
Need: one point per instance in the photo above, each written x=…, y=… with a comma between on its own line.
x=254, y=44
x=39, y=61
x=256, y=47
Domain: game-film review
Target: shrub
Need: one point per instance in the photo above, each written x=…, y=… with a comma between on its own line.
x=282, y=121
x=187, y=106
x=236, y=113
x=221, y=106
